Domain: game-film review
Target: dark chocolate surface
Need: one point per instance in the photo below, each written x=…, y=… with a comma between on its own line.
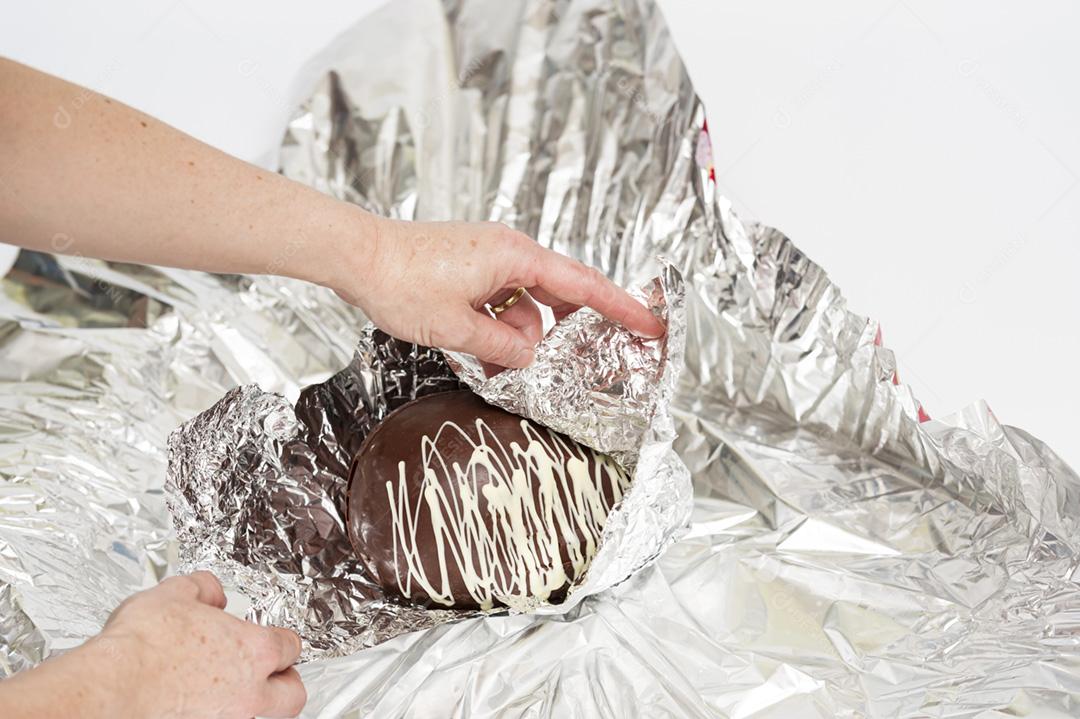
x=467, y=449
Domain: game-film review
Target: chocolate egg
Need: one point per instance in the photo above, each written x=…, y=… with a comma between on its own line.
x=456, y=503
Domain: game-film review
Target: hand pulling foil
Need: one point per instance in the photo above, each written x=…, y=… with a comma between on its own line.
x=609, y=390
x=844, y=559
x=257, y=487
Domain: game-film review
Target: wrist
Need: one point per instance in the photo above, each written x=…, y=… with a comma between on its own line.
x=340, y=256
x=107, y=672
x=92, y=680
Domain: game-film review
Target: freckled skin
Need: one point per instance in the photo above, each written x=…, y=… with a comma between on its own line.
x=450, y=270
x=421, y=282
x=153, y=659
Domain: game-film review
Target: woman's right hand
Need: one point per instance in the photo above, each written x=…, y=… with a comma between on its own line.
x=169, y=651
x=429, y=283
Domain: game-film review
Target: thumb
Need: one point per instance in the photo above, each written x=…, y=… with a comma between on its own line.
x=495, y=342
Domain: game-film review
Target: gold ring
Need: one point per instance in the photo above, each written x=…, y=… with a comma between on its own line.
x=508, y=302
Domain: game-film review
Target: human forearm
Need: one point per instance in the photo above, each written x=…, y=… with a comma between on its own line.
x=80, y=683
x=108, y=181
x=169, y=651
x=104, y=180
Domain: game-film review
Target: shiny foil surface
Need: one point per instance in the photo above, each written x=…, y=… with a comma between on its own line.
x=599, y=384
x=846, y=555
x=257, y=487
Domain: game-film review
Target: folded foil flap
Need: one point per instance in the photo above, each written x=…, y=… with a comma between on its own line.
x=847, y=557
x=257, y=492
x=592, y=379
x=257, y=487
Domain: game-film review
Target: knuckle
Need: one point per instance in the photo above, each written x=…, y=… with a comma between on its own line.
x=434, y=336
x=593, y=282
x=595, y=277
x=503, y=347
x=259, y=645
x=180, y=580
x=471, y=333
x=480, y=340
x=182, y=583
x=287, y=641
x=605, y=288
x=508, y=235
x=297, y=642
x=203, y=575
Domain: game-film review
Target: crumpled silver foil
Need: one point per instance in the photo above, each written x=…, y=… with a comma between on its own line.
x=844, y=558
x=599, y=384
x=592, y=380
x=258, y=488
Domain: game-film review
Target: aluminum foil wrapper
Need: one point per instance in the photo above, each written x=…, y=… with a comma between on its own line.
x=593, y=380
x=609, y=390
x=599, y=384
x=847, y=556
x=257, y=487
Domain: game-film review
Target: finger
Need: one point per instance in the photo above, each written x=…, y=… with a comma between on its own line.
x=574, y=283
x=284, y=695
x=279, y=648
x=523, y=315
x=558, y=308
x=493, y=341
x=201, y=586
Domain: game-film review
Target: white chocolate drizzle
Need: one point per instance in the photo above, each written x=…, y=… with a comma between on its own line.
x=540, y=501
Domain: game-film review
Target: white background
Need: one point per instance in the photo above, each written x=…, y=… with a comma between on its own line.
x=926, y=154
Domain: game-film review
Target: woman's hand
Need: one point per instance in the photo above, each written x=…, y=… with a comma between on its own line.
x=428, y=282
x=169, y=652
x=114, y=183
